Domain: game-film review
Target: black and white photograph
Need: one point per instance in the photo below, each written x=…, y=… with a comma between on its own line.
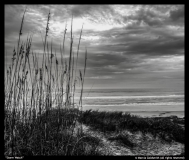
x=94, y=80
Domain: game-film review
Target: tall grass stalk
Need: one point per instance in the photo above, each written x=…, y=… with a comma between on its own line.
x=33, y=87
x=69, y=68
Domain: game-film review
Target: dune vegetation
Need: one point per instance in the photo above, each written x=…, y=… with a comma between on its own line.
x=31, y=128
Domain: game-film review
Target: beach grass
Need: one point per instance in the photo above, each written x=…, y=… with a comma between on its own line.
x=59, y=133
x=166, y=128
x=72, y=141
x=32, y=126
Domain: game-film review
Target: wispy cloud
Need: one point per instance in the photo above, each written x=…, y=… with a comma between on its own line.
x=99, y=77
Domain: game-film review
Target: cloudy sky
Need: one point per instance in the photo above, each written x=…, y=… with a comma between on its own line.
x=129, y=46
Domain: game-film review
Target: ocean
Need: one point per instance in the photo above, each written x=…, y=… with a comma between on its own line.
x=134, y=100
x=143, y=102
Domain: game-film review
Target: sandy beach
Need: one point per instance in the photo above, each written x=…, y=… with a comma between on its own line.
x=179, y=114
x=145, y=111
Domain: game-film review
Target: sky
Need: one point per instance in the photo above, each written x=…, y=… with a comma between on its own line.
x=128, y=46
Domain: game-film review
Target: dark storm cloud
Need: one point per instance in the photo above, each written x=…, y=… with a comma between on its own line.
x=13, y=19
x=155, y=16
x=103, y=64
x=177, y=14
x=105, y=59
x=142, y=41
x=95, y=13
x=157, y=47
x=145, y=15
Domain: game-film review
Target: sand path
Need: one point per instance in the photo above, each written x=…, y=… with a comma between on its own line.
x=145, y=145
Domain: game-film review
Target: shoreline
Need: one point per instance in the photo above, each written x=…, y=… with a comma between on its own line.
x=150, y=114
x=144, y=111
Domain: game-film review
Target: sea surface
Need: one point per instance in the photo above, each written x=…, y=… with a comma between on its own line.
x=134, y=100
x=144, y=102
